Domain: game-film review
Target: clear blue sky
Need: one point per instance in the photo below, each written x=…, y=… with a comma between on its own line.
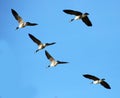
x=94, y=50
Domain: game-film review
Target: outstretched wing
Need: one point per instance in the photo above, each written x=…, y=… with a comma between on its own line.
x=91, y=77
x=50, y=43
x=72, y=12
x=87, y=21
x=105, y=84
x=62, y=62
x=49, y=56
x=31, y=24
x=38, y=42
x=16, y=15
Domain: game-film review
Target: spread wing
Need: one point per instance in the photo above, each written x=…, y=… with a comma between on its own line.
x=87, y=21
x=49, y=56
x=38, y=42
x=31, y=24
x=16, y=15
x=91, y=77
x=105, y=84
x=72, y=12
x=50, y=43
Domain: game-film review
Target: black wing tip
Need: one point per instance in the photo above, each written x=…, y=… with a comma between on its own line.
x=30, y=34
x=67, y=62
x=89, y=75
x=85, y=74
x=108, y=87
x=31, y=24
x=66, y=10
x=46, y=52
x=35, y=24
x=105, y=84
x=62, y=62
x=13, y=11
x=87, y=21
x=90, y=24
x=51, y=43
x=54, y=43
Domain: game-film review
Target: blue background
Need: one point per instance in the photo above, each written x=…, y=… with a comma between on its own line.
x=93, y=50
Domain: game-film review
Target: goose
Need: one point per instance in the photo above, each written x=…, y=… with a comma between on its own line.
x=96, y=80
x=21, y=22
x=52, y=60
x=78, y=16
x=39, y=43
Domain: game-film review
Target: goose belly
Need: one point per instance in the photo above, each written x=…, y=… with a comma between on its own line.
x=53, y=63
x=21, y=25
x=41, y=47
x=77, y=17
x=96, y=82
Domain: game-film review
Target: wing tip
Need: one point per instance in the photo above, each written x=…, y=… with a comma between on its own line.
x=46, y=52
x=30, y=34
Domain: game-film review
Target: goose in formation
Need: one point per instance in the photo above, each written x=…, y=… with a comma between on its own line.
x=79, y=15
x=96, y=80
x=53, y=61
x=21, y=22
x=39, y=43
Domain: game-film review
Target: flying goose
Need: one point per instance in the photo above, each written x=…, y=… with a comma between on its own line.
x=96, y=80
x=53, y=61
x=79, y=15
x=21, y=22
x=39, y=43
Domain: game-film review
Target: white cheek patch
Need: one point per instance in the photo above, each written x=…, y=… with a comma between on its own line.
x=83, y=15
